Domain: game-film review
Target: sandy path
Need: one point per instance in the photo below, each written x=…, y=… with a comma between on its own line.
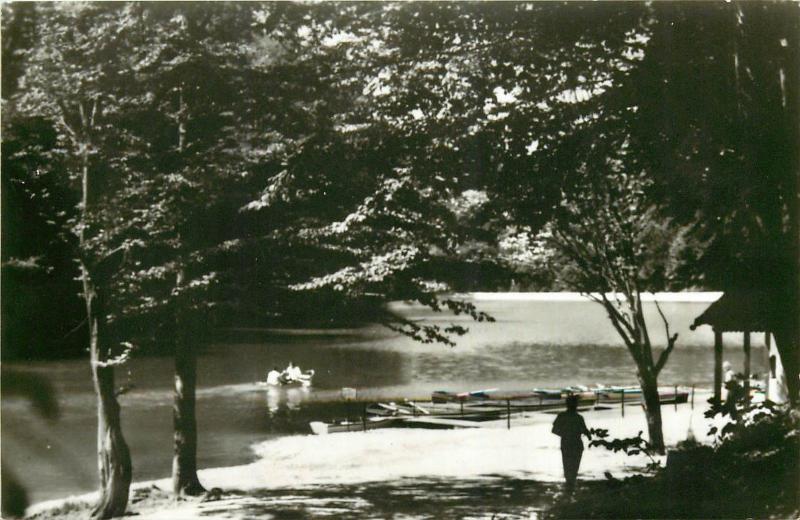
x=527, y=451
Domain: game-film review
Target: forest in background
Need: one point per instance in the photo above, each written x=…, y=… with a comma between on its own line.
x=173, y=168
x=399, y=151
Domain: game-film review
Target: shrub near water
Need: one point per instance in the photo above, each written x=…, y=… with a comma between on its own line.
x=751, y=472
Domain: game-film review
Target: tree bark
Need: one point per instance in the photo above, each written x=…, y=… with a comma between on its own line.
x=642, y=355
x=113, y=457
x=652, y=408
x=184, y=461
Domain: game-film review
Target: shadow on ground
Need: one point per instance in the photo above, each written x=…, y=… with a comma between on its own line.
x=489, y=497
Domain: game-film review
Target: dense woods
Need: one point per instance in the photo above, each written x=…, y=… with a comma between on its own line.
x=181, y=165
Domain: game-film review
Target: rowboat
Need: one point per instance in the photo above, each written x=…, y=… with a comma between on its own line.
x=392, y=409
x=666, y=395
x=284, y=380
x=374, y=423
x=370, y=423
x=442, y=396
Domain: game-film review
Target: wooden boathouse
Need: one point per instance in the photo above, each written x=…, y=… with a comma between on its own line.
x=744, y=312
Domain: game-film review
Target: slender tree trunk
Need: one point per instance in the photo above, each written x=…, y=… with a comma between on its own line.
x=652, y=408
x=113, y=456
x=184, y=461
x=634, y=333
x=787, y=340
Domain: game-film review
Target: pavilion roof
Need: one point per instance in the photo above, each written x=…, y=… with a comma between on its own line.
x=739, y=311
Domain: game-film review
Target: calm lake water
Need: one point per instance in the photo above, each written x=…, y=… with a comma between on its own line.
x=536, y=342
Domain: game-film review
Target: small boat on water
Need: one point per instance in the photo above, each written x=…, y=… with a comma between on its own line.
x=405, y=421
x=304, y=379
x=347, y=425
x=667, y=394
x=393, y=409
x=442, y=396
x=289, y=377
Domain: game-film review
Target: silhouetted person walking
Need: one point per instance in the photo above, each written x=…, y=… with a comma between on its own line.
x=570, y=426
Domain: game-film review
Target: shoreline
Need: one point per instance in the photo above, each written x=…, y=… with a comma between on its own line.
x=527, y=451
x=568, y=296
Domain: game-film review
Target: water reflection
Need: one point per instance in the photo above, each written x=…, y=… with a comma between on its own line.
x=273, y=399
x=534, y=344
x=289, y=397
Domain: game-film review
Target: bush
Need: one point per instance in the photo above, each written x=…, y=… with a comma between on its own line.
x=751, y=472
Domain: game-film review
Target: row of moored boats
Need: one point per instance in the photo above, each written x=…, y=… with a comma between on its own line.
x=475, y=409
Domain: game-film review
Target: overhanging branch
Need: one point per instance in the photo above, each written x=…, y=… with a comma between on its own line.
x=671, y=341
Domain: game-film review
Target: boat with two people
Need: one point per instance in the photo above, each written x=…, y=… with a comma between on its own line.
x=292, y=375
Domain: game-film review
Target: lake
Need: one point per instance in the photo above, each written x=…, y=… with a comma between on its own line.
x=537, y=341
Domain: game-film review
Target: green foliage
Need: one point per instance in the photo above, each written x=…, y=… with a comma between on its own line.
x=397, y=140
x=37, y=248
x=443, y=107
x=627, y=445
x=177, y=128
x=716, y=129
x=69, y=137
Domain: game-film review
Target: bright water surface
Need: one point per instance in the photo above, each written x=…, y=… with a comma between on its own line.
x=534, y=343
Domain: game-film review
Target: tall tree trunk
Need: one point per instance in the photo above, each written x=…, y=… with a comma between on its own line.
x=652, y=408
x=113, y=456
x=184, y=461
x=787, y=340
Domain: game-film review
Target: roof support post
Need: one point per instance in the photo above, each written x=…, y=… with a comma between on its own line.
x=767, y=354
x=747, y=368
x=717, y=367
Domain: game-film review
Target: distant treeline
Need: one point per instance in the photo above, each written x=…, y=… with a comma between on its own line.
x=43, y=315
